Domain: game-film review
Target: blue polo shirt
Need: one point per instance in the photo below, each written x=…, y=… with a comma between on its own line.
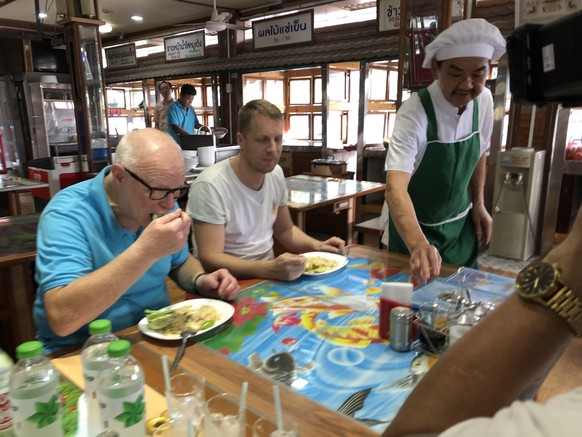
x=78, y=234
x=183, y=117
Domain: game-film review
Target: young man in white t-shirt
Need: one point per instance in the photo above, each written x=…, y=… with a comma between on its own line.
x=238, y=206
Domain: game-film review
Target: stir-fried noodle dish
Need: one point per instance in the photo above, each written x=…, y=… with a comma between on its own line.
x=173, y=321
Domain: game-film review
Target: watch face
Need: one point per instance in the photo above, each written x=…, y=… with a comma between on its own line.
x=535, y=279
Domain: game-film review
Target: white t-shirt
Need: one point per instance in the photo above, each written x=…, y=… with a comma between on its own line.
x=162, y=108
x=217, y=196
x=559, y=417
x=408, y=141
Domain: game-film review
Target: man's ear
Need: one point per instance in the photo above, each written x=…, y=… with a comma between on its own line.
x=434, y=68
x=117, y=171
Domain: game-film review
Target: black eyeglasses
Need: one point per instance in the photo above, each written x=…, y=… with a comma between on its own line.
x=160, y=193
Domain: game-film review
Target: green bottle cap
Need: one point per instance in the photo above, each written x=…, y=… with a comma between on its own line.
x=118, y=348
x=30, y=349
x=100, y=326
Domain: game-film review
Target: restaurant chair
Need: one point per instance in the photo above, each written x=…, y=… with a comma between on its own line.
x=375, y=226
x=372, y=227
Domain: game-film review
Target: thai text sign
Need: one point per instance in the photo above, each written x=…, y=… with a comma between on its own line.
x=543, y=11
x=388, y=15
x=184, y=46
x=290, y=29
x=121, y=56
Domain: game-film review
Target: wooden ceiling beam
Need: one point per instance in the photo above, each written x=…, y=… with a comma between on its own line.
x=29, y=26
x=5, y=2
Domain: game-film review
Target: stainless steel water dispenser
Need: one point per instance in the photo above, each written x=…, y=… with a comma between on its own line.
x=516, y=202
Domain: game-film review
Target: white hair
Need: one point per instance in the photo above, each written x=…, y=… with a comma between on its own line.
x=133, y=144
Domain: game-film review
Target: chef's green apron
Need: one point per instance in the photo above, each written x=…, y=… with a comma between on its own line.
x=439, y=192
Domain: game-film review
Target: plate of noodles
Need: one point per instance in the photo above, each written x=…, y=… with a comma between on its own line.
x=200, y=315
x=322, y=263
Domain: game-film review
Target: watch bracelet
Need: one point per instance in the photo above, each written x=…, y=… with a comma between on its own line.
x=568, y=306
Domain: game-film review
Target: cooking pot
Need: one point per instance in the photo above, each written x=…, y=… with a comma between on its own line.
x=328, y=167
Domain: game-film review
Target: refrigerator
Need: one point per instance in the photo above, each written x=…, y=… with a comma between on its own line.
x=55, y=148
x=54, y=130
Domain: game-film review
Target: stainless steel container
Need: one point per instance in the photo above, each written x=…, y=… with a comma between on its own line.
x=401, y=328
x=328, y=167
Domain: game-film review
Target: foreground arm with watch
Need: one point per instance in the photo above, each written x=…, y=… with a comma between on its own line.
x=467, y=390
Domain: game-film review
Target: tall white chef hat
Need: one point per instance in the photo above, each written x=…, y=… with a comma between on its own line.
x=466, y=38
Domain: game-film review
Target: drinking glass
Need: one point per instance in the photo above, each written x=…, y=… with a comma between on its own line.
x=266, y=426
x=174, y=428
x=187, y=395
x=433, y=323
x=221, y=417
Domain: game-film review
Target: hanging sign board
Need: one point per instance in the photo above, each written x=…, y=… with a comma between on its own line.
x=121, y=56
x=183, y=47
x=388, y=15
x=543, y=11
x=290, y=29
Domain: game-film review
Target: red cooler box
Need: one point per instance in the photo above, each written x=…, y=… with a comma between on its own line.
x=59, y=172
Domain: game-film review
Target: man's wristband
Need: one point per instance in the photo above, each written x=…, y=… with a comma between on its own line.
x=195, y=289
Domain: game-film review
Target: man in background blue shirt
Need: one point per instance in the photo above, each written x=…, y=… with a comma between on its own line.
x=182, y=118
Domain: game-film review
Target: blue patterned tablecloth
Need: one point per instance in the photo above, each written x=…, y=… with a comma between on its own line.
x=319, y=336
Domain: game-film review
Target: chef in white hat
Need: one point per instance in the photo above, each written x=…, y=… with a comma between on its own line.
x=436, y=159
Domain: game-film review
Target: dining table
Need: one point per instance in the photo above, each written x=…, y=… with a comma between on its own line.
x=14, y=186
x=315, y=337
x=306, y=193
x=17, y=255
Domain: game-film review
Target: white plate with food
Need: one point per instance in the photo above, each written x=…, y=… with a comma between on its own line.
x=199, y=315
x=322, y=263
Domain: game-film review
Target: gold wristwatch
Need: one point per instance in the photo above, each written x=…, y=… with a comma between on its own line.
x=541, y=282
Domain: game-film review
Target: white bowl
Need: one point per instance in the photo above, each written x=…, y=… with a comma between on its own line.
x=219, y=132
x=190, y=163
x=190, y=159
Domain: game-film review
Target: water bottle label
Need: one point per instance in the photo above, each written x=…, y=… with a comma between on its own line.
x=5, y=416
x=37, y=415
x=91, y=383
x=124, y=415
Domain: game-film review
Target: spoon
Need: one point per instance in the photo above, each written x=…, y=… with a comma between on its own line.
x=185, y=337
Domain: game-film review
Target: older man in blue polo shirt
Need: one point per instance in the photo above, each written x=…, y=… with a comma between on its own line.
x=182, y=118
x=103, y=252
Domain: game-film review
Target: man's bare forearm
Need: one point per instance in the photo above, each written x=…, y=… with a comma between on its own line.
x=78, y=303
x=403, y=216
x=238, y=267
x=477, y=182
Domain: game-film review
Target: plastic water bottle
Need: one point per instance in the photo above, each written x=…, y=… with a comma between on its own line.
x=121, y=392
x=6, y=427
x=34, y=393
x=94, y=358
x=99, y=149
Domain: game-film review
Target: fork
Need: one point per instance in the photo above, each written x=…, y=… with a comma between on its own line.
x=186, y=335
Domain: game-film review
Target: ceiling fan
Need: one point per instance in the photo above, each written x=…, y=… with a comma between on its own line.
x=218, y=22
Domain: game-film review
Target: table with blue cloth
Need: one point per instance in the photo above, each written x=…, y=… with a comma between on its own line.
x=318, y=338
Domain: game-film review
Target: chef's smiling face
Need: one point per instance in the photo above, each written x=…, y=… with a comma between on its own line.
x=461, y=79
